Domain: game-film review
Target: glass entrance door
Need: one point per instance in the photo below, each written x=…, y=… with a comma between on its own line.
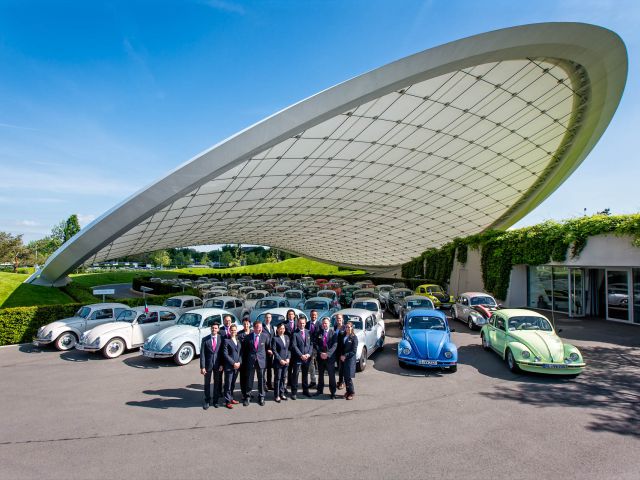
x=576, y=287
x=618, y=295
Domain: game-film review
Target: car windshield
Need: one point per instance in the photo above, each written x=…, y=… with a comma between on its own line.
x=401, y=293
x=419, y=302
x=83, y=312
x=356, y=320
x=192, y=319
x=293, y=295
x=386, y=288
x=326, y=294
x=172, y=302
x=371, y=306
x=529, y=323
x=267, y=304
x=255, y=295
x=483, y=301
x=276, y=319
x=425, y=323
x=435, y=289
x=214, y=303
x=127, y=316
x=316, y=305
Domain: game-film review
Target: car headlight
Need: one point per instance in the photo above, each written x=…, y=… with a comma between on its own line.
x=574, y=357
x=406, y=351
x=448, y=354
x=96, y=342
x=49, y=335
x=525, y=354
x=167, y=347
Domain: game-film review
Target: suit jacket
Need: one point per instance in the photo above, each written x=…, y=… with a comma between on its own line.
x=260, y=354
x=232, y=353
x=242, y=337
x=339, y=342
x=349, y=350
x=332, y=344
x=301, y=347
x=271, y=331
x=223, y=332
x=281, y=351
x=288, y=331
x=209, y=358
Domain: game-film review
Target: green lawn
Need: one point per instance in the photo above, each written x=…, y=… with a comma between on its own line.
x=14, y=293
x=89, y=280
x=293, y=266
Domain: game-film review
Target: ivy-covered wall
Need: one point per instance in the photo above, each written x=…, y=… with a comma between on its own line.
x=535, y=245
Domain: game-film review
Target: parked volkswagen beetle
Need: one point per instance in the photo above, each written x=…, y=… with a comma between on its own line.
x=370, y=332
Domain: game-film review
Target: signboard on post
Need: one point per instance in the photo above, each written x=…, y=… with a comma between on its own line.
x=103, y=292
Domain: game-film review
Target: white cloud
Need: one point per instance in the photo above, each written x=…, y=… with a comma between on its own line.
x=85, y=219
x=26, y=223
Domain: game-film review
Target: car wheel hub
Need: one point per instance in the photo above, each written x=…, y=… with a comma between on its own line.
x=185, y=353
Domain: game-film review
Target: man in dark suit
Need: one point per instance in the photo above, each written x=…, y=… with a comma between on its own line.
x=326, y=347
x=269, y=330
x=256, y=344
x=338, y=329
x=301, y=350
x=225, y=331
x=290, y=326
x=232, y=355
x=313, y=326
x=242, y=336
x=211, y=364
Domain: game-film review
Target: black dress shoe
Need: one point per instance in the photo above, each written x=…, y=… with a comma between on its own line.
x=306, y=393
x=293, y=397
x=333, y=396
x=317, y=394
x=205, y=405
x=269, y=386
x=261, y=402
x=245, y=402
x=313, y=384
x=284, y=397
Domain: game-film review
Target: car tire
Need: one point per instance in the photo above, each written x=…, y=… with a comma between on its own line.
x=185, y=354
x=402, y=364
x=511, y=362
x=382, y=339
x=65, y=341
x=362, y=361
x=453, y=314
x=470, y=324
x=114, y=348
x=485, y=342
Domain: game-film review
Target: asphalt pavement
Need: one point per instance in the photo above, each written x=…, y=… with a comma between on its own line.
x=77, y=415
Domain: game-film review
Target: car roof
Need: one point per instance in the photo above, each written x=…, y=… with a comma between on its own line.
x=184, y=297
x=155, y=308
x=210, y=311
x=477, y=294
x=107, y=305
x=323, y=299
x=360, y=312
x=429, y=285
x=516, y=312
x=225, y=298
x=426, y=311
x=283, y=311
x=326, y=290
x=418, y=297
x=367, y=299
x=273, y=297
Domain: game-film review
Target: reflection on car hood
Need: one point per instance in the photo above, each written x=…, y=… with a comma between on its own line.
x=66, y=322
x=165, y=336
x=428, y=343
x=106, y=329
x=545, y=345
x=443, y=297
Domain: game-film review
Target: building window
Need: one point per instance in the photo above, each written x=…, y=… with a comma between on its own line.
x=549, y=288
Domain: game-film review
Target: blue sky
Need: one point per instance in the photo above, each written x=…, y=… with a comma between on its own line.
x=98, y=99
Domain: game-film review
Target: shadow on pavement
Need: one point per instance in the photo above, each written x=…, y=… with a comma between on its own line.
x=30, y=348
x=188, y=397
x=140, y=361
x=78, y=356
x=610, y=384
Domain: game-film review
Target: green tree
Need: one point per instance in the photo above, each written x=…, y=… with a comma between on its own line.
x=204, y=259
x=12, y=250
x=160, y=258
x=226, y=258
x=71, y=227
x=40, y=250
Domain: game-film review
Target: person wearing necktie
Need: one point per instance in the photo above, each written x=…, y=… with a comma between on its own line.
x=257, y=343
x=269, y=330
x=211, y=365
x=232, y=355
x=348, y=357
x=226, y=324
x=242, y=336
x=313, y=328
x=290, y=325
x=281, y=359
x=339, y=330
x=326, y=346
x=301, y=350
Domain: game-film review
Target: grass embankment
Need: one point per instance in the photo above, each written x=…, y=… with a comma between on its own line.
x=89, y=280
x=14, y=293
x=291, y=266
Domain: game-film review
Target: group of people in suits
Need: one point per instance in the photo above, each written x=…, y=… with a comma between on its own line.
x=276, y=357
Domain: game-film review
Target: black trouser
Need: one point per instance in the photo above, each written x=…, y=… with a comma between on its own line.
x=244, y=377
x=348, y=379
x=339, y=365
x=255, y=367
x=230, y=377
x=304, y=366
x=269, y=369
x=280, y=372
x=290, y=374
x=217, y=385
x=329, y=366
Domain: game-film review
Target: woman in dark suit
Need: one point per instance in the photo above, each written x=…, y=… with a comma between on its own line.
x=281, y=358
x=232, y=355
x=348, y=357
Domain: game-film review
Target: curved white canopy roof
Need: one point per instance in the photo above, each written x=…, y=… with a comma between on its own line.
x=444, y=143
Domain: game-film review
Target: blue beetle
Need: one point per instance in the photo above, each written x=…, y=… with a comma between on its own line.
x=426, y=341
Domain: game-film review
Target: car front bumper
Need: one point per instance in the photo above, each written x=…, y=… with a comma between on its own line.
x=86, y=348
x=426, y=363
x=153, y=354
x=553, y=368
x=40, y=342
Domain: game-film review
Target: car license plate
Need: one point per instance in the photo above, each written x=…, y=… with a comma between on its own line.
x=147, y=354
x=546, y=365
x=427, y=362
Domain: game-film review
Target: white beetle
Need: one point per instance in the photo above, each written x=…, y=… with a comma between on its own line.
x=130, y=330
x=369, y=330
